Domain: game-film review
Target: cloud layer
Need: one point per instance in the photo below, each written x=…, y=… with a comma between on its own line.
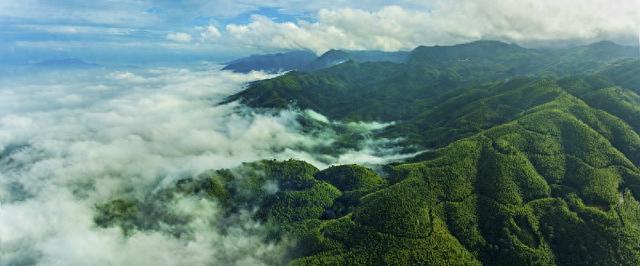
x=447, y=22
x=36, y=30
x=70, y=139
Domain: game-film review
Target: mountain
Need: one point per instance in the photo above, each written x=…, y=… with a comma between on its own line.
x=533, y=159
x=65, y=63
x=589, y=57
x=335, y=57
x=271, y=63
x=385, y=91
x=307, y=61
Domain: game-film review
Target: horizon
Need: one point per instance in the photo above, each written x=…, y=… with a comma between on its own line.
x=243, y=56
x=125, y=32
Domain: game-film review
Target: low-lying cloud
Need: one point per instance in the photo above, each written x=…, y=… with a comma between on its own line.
x=72, y=139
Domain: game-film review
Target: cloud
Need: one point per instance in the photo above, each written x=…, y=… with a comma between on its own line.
x=66, y=29
x=149, y=13
x=179, y=37
x=101, y=12
x=293, y=24
x=396, y=28
x=70, y=139
x=210, y=33
x=58, y=230
x=127, y=76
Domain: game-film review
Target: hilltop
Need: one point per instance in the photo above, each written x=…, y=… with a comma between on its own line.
x=533, y=160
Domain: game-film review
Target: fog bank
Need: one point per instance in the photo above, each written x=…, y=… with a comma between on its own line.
x=70, y=139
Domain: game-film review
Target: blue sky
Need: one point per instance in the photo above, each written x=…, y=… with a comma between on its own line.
x=144, y=30
x=37, y=30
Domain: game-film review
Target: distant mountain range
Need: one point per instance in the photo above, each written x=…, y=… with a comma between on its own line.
x=387, y=91
x=272, y=63
x=308, y=61
x=65, y=63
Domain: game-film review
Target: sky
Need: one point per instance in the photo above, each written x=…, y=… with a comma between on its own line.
x=147, y=31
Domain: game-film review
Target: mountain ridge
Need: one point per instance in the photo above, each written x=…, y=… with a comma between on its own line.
x=282, y=62
x=311, y=62
x=533, y=159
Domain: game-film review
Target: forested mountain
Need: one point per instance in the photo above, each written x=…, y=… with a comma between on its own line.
x=271, y=63
x=434, y=77
x=308, y=61
x=533, y=159
x=335, y=57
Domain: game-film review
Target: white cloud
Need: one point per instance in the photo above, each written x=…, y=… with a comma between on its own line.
x=100, y=12
x=65, y=29
x=358, y=24
x=209, y=33
x=447, y=22
x=71, y=139
x=127, y=76
x=150, y=14
x=179, y=37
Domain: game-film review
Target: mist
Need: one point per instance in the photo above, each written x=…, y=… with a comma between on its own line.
x=71, y=139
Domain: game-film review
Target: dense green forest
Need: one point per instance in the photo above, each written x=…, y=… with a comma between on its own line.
x=308, y=61
x=532, y=159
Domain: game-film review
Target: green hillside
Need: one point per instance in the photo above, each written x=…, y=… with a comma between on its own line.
x=393, y=92
x=533, y=160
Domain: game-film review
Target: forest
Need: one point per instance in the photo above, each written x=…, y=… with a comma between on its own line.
x=530, y=157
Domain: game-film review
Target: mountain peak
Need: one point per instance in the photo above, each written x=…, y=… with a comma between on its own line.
x=604, y=44
x=65, y=63
x=273, y=63
x=484, y=49
x=489, y=42
x=334, y=53
x=483, y=43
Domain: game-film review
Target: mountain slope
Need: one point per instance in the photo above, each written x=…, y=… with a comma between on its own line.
x=533, y=170
x=555, y=185
x=433, y=79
